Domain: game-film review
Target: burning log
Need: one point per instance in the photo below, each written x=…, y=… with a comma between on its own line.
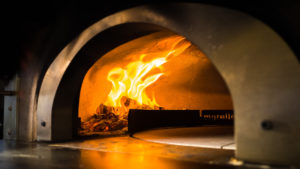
x=108, y=118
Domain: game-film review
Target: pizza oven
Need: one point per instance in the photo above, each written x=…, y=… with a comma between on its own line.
x=154, y=71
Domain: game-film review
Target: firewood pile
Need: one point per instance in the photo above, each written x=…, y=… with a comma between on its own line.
x=108, y=118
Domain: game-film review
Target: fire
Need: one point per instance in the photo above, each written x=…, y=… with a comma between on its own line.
x=128, y=82
x=159, y=71
x=132, y=80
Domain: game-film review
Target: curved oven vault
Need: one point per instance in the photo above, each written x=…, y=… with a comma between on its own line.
x=260, y=70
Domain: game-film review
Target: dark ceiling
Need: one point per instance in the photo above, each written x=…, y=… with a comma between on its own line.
x=29, y=27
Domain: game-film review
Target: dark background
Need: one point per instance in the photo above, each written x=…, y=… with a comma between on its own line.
x=32, y=31
x=30, y=27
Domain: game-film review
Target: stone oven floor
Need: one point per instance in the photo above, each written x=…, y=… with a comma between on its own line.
x=218, y=137
x=114, y=153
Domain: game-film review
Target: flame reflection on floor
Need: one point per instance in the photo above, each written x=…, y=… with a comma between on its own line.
x=121, y=148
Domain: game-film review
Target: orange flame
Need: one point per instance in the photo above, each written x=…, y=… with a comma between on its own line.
x=132, y=80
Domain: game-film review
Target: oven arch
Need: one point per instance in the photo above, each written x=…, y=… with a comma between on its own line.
x=239, y=46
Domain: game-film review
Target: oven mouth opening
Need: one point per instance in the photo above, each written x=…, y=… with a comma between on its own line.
x=157, y=81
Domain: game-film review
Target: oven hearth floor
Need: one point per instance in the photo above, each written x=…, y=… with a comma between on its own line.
x=218, y=137
x=121, y=152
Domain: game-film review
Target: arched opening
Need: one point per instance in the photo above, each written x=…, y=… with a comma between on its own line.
x=239, y=46
x=160, y=71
